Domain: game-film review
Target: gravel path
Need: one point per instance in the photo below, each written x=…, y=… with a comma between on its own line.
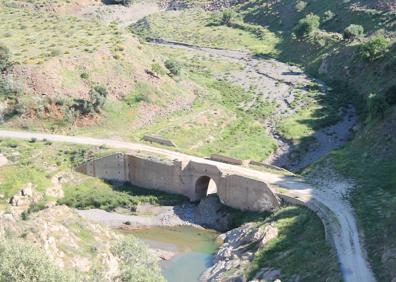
x=342, y=227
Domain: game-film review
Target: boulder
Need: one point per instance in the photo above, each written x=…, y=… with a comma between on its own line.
x=267, y=274
x=24, y=197
x=27, y=191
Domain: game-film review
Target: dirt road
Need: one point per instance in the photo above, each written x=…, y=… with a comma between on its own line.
x=328, y=200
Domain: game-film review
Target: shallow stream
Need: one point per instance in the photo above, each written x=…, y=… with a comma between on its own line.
x=194, y=248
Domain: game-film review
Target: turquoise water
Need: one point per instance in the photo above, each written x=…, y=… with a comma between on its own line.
x=195, y=248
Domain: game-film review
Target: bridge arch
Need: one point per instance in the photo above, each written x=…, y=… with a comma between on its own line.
x=205, y=186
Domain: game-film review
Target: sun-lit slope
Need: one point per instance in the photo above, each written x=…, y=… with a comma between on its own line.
x=196, y=27
x=58, y=59
x=327, y=55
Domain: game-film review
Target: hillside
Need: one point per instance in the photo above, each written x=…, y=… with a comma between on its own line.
x=228, y=77
x=369, y=158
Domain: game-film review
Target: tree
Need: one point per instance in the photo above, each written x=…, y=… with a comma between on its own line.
x=5, y=56
x=353, y=31
x=98, y=95
x=173, y=66
x=377, y=106
x=374, y=48
x=306, y=26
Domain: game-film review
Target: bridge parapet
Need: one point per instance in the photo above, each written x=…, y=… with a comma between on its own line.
x=188, y=178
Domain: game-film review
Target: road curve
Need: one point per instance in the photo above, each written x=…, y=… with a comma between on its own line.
x=335, y=212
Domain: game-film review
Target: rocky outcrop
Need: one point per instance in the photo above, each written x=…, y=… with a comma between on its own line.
x=237, y=251
x=25, y=197
x=69, y=241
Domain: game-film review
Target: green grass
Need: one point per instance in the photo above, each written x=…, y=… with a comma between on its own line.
x=35, y=37
x=95, y=193
x=300, y=248
x=193, y=26
x=13, y=178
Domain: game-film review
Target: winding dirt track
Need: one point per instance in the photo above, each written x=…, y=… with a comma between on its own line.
x=330, y=206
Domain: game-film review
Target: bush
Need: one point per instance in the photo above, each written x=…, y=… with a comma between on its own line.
x=84, y=75
x=306, y=26
x=98, y=95
x=173, y=66
x=374, y=48
x=328, y=15
x=157, y=69
x=353, y=31
x=226, y=16
x=23, y=262
x=5, y=57
x=377, y=106
x=137, y=263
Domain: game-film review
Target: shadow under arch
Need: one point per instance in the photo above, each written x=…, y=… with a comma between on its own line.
x=205, y=186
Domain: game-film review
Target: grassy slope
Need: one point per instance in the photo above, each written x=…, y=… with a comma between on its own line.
x=344, y=66
x=300, y=250
x=370, y=158
x=316, y=111
x=194, y=27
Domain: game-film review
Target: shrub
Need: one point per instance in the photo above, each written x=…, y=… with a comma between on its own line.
x=226, y=16
x=23, y=262
x=353, y=31
x=5, y=56
x=377, y=106
x=98, y=95
x=173, y=66
x=141, y=93
x=307, y=25
x=374, y=48
x=138, y=264
x=328, y=15
x=84, y=75
x=157, y=69
x=79, y=106
x=300, y=6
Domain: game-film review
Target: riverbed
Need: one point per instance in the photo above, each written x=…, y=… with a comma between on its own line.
x=194, y=248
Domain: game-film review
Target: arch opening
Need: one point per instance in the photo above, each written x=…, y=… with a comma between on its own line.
x=205, y=186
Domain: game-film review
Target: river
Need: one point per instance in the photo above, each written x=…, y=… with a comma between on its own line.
x=194, y=247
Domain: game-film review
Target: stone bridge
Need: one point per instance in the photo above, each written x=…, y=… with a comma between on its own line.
x=186, y=177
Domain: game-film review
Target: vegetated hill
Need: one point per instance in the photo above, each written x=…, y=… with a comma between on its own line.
x=326, y=54
x=361, y=70
x=87, y=77
x=369, y=83
x=57, y=64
